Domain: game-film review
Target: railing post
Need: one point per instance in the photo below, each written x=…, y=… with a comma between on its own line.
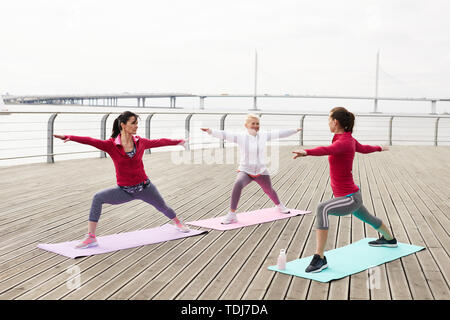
x=433, y=106
x=222, y=127
x=50, y=126
x=302, y=120
x=172, y=102
x=436, y=128
x=202, y=103
x=103, y=132
x=188, y=130
x=255, y=106
x=148, y=129
x=390, y=130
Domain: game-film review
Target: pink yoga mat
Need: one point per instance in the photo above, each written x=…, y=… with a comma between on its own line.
x=247, y=219
x=120, y=241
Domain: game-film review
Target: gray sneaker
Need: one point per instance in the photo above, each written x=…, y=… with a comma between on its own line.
x=317, y=264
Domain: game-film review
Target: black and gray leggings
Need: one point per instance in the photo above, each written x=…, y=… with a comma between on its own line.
x=342, y=206
x=117, y=195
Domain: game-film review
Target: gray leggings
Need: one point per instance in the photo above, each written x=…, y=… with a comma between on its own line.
x=244, y=179
x=117, y=196
x=342, y=206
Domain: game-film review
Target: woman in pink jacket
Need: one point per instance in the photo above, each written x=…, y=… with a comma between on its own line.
x=126, y=151
x=347, y=195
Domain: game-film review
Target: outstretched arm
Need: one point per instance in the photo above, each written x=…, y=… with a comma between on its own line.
x=155, y=143
x=278, y=134
x=231, y=137
x=97, y=143
x=365, y=148
x=334, y=148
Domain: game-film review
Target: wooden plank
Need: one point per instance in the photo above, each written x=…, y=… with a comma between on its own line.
x=377, y=280
x=63, y=228
x=48, y=217
x=84, y=226
x=279, y=284
x=406, y=187
x=426, y=261
x=172, y=288
x=57, y=180
x=201, y=254
x=299, y=287
x=427, y=233
x=403, y=225
x=52, y=260
x=249, y=265
x=263, y=278
x=97, y=267
x=210, y=283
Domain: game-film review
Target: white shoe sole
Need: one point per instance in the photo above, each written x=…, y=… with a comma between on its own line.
x=283, y=211
x=91, y=245
x=183, y=230
x=384, y=245
x=229, y=222
x=320, y=269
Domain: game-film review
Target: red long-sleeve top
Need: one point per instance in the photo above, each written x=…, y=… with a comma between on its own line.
x=340, y=157
x=129, y=171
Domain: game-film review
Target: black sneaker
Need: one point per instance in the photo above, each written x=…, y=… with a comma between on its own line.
x=382, y=242
x=317, y=264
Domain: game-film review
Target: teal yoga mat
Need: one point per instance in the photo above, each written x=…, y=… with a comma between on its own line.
x=348, y=260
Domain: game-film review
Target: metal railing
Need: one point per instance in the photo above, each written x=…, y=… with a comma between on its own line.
x=301, y=117
x=111, y=100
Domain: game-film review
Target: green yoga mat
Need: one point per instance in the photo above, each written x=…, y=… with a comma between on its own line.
x=345, y=261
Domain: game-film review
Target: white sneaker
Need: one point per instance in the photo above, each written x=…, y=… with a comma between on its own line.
x=182, y=227
x=283, y=209
x=230, y=218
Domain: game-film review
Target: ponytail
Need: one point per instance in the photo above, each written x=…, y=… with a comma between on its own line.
x=116, y=128
x=345, y=118
x=122, y=118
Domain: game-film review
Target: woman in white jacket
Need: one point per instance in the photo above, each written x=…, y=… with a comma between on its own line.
x=252, y=147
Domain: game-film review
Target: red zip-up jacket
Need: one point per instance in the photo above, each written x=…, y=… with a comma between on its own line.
x=341, y=154
x=129, y=171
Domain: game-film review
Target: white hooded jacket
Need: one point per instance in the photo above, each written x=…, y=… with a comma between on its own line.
x=252, y=148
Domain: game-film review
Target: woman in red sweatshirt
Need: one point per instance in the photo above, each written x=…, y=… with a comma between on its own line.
x=126, y=151
x=347, y=196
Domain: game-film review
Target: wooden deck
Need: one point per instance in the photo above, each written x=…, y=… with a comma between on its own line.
x=408, y=187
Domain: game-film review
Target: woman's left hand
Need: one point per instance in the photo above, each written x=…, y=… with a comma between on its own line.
x=384, y=148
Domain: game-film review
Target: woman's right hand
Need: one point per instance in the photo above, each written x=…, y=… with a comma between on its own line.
x=61, y=137
x=299, y=153
x=206, y=130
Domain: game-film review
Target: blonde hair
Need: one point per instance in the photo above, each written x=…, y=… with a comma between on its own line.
x=251, y=116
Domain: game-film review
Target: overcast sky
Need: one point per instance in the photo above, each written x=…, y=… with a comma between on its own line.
x=208, y=46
